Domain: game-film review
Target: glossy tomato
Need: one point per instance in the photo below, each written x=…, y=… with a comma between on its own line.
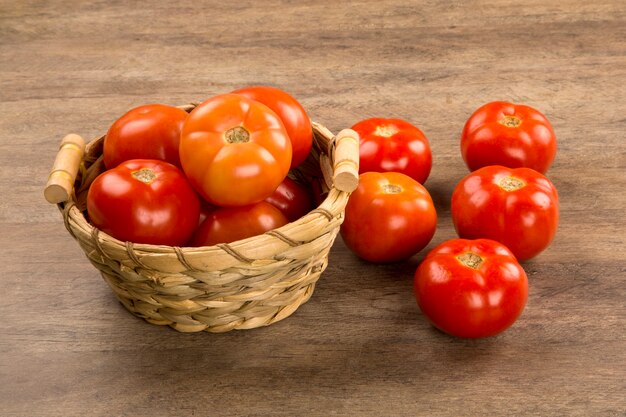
x=292, y=199
x=235, y=151
x=518, y=207
x=393, y=145
x=388, y=218
x=228, y=224
x=144, y=201
x=292, y=114
x=471, y=288
x=511, y=135
x=146, y=132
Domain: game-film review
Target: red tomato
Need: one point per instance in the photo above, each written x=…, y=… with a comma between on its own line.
x=388, y=218
x=393, y=145
x=144, y=201
x=235, y=151
x=511, y=135
x=292, y=199
x=228, y=224
x=146, y=132
x=291, y=113
x=517, y=207
x=471, y=288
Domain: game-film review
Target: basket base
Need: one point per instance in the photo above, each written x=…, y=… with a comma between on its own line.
x=248, y=315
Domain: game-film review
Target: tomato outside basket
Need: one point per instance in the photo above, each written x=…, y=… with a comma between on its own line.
x=240, y=285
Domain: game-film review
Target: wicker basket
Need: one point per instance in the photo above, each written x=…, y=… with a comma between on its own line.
x=241, y=285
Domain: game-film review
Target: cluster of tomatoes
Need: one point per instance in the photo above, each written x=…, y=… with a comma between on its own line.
x=214, y=175
x=219, y=174
x=505, y=211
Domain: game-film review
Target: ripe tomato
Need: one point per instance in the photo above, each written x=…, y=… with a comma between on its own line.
x=292, y=199
x=144, y=201
x=517, y=207
x=393, y=145
x=388, y=218
x=145, y=132
x=228, y=224
x=291, y=113
x=471, y=288
x=235, y=151
x=512, y=135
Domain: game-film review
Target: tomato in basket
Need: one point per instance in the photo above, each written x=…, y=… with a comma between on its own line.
x=146, y=132
x=235, y=151
x=291, y=113
x=144, y=201
x=228, y=224
x=292, y=199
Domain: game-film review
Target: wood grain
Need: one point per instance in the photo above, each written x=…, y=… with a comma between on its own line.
x=360, y=346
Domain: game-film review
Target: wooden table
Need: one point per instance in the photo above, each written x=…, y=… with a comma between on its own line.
x=360, y=346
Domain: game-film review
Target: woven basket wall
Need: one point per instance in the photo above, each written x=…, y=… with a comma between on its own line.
x=241, y=285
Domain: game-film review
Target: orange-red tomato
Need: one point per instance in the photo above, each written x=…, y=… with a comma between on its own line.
x=291, y=113
x=235, y=151
x=228, y=224
x=144, y=201
x=292, y=199
x=388, y=218
x=146, y=132
x=518, y=207
x=511, y=135
x=393, y=145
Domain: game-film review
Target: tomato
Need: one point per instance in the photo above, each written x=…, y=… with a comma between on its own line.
x=393, y=145
x=235, y=151
x=144, y=201
x=291, y=113
x=388, y=218
x=228, y=224
x=292, y=199
x=511, y=135
x=518, y=207
x=471, y=288
x=145, y=132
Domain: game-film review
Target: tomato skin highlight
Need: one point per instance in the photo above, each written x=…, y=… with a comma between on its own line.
x=292, y=199
x=235, y=151
x=145, y=132
x=507, y=134
x=164, y=211
x=393, y=145
x=291, y=113
x=228, y=224
x=388, y=218
x=479, y=298
x=524, y=219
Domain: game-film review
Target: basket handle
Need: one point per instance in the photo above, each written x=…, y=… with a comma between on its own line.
x=63, y=174
x=346, y=165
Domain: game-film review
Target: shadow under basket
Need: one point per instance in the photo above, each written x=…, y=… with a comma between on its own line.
x=240, y=285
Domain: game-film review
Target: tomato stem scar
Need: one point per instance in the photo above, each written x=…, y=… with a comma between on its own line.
x=510, y=121
x=470, y=259
x=145, y=175
x=511, y=183
x=237, y=134
x=392, y=189
x=386, y=131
